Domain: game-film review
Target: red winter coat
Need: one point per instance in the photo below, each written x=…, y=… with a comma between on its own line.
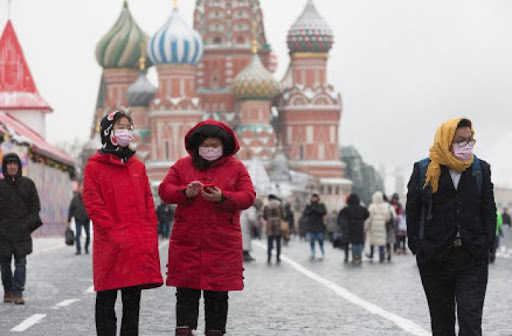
x=205, y=250
x=118, y=199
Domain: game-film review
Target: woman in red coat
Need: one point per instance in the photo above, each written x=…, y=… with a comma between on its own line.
x=118, y=199
x=210, y=187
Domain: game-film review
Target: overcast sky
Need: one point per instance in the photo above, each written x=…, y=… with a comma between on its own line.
x=402, y=66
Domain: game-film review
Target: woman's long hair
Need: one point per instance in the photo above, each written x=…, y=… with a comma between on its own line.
x=200, y=135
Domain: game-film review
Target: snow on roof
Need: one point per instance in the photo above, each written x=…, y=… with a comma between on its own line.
x=23, y=134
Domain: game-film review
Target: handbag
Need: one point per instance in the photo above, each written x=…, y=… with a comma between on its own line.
x=69, y=237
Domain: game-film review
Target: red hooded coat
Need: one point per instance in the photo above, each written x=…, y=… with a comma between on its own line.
x=205, y=250
x=118, y=199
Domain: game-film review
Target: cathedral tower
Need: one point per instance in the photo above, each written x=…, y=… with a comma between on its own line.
x=175, y=49
x=309, y=107
x=226, y=29
x=118, y=53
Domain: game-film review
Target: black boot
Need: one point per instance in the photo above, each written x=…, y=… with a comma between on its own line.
x=183, y=331
x=214, y=333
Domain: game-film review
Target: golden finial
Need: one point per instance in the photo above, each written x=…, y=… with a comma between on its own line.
x=175, y=4
x=142, y=59
x=254, y=40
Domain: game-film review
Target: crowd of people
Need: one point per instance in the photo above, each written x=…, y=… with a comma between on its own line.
x=210, y=212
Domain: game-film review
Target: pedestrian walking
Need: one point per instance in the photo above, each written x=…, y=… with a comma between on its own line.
x=118, y=199
x=332, y=225
x=401, y=231
x=165, y=215
x=290, y=219
x=256, y=226
x=451, y=225
x=375, y=226
x=314, y=214
x=82, y=221
x=390, y=226
x=351, y=221
x=210, y=187
x=19, y=217
x=273, y=215
x=248, y=220
x=506, y=217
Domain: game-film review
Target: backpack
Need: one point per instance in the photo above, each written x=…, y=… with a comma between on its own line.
x=423, y=165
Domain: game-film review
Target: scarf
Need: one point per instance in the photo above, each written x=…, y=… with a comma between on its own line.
x=109, y=141
x=440, y=154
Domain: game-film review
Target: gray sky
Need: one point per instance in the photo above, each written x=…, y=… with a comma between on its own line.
x=402, y=66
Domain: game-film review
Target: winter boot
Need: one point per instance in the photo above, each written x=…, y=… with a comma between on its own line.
x=184, y=331
x=381, y=258
x=214, y=332
x=18, y=299
x=8, y=297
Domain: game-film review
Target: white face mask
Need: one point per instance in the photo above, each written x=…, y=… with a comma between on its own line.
x=462, y=153
x=123, y=137
x=210, y=153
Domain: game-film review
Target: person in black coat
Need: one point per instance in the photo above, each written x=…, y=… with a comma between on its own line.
x=314, y=214
x=451, y=224
x=351, y=221
x=506, y=217
x=19, y=217
x=77, y=210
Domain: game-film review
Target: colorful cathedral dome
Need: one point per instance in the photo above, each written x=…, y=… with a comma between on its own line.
x=255, y=82
x=310, y=33
x=141, y=91
x=123, y=45
x=176, y=43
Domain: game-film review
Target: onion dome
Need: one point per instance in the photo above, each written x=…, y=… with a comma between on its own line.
x=141, y=91
x=255, y=82
x=123, y=45
x=176, y=42
x=310, y=33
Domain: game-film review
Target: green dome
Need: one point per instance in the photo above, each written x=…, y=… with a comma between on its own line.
x=121, y=47
x=255, y=82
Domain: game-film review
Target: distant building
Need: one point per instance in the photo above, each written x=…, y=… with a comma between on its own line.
x=22, y=131
x=503, y=197
x=221, y=68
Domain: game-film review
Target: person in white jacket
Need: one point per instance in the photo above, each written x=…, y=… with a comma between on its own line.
x=375, y=225
x=248, y=219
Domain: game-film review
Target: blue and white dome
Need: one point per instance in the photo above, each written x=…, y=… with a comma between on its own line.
x=175, y=43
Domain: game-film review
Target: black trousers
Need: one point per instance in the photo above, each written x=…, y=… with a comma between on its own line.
x=215, y=308
x=459, y=282
x=270, y=246
x=106, y=321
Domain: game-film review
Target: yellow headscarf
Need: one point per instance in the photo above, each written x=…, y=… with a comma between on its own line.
x=440, y=154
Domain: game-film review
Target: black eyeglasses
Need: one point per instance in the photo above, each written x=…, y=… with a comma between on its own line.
x=464, y=143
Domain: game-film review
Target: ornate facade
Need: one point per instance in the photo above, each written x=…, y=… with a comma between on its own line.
x=221, y=68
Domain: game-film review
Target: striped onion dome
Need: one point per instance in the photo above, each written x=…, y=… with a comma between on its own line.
x=141, y=91
x=175, y=43
x=310, y=33
x=122, y=46
x=255, y=82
